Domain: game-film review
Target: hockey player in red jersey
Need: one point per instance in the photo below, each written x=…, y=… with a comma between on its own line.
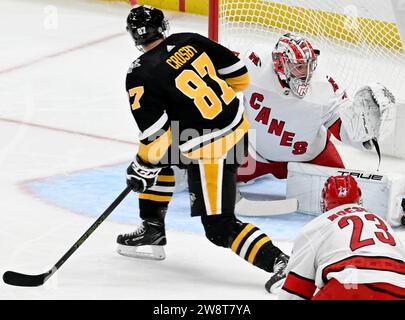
x=294, y=109
x=347, y=253
x=186, y=83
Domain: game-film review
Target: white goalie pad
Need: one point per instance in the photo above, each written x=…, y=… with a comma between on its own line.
x=371, y=114
x=382, y=193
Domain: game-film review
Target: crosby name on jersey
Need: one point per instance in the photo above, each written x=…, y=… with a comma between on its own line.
x=195, y=98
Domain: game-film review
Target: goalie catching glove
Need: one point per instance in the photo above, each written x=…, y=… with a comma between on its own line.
x=141, y=176
x=370, y=115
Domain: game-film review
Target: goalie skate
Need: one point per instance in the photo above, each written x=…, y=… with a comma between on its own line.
x=146, y=242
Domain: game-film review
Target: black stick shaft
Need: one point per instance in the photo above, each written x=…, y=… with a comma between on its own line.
x=89, y=231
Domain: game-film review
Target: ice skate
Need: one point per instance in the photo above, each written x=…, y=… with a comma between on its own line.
x=146, y=242
x=277, y=280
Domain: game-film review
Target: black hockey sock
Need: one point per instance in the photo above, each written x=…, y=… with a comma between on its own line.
x=153, y=203
x=255, y=247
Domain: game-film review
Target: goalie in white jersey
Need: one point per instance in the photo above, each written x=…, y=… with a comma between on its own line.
x=347, y=253
x=294, y=110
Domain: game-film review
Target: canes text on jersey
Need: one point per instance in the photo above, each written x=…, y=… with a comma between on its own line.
x=181, y=56
x=276, y=127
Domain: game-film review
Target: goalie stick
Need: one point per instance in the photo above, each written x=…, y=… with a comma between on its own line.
x=271, y=206
x=25, y=280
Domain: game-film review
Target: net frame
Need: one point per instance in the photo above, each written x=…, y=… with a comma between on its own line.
x=357, y=46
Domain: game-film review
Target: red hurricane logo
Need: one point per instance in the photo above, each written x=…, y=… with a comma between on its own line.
x=342, y=192
x=302, y=90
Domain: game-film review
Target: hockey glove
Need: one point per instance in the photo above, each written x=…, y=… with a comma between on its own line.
x=141, y=176
x=371, y=115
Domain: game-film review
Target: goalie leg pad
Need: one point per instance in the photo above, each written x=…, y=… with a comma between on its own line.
x=382, y=193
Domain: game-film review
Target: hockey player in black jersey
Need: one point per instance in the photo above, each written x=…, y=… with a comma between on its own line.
x=182, y=94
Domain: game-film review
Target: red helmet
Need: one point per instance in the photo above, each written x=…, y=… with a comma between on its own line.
x=338, y=191
x=295, y=60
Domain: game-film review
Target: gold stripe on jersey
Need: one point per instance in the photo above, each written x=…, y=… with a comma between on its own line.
x=236, y=243
x=153, y=152
x=154, y=197
x=220, y=147
x=256, y=248
x=239, y=83
x=162, y=191
x=212, y=185
x=166, y=178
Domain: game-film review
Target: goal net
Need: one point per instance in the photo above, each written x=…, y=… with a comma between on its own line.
x=359, y=40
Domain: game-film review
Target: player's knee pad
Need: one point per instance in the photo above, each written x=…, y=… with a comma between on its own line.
x=221, y=229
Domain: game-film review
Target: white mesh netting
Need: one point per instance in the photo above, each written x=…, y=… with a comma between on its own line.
x=359, y=43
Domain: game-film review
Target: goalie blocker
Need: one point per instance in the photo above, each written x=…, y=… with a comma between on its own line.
x=383, y=194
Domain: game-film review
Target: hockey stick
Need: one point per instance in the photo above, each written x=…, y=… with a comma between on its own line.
x=25, y=280
x=263, y=208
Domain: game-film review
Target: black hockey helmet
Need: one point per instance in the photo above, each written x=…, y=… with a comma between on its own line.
x=146, y=24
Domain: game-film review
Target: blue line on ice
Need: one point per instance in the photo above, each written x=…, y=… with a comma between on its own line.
x=90, y=192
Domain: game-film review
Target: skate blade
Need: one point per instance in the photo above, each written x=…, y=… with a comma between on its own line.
x=142, y=252
x=277, y=286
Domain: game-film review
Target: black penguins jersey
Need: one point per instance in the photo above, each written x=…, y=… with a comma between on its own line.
x=185, y=88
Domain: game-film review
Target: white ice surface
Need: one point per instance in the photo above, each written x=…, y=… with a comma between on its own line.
x=63, y=108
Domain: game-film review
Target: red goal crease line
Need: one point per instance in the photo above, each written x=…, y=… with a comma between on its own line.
x=61, y=53
x=88, y=135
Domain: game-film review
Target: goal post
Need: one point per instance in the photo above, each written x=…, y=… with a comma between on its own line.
x=213, y=18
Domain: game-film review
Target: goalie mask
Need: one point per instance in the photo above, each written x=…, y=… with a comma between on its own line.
x=338, y=191
x=294, y=62
x=146, y=24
